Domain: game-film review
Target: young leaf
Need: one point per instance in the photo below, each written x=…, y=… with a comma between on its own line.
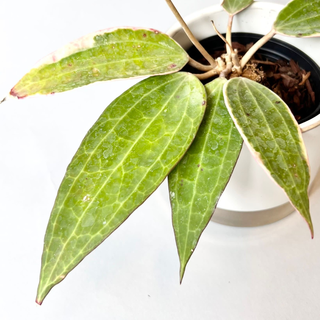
x=106, y=55
x=235, y=6
x=198, y=180
x=273, y=136
x=300, y=18
x=124, y=157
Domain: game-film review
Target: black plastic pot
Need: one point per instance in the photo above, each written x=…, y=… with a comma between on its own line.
x=273, y=50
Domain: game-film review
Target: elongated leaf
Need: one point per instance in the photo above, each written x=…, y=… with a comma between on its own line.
x=106, y=55
x=198, y=180
x=272, y=134
x=300, y=18
x=122, y=160
x=235, y=6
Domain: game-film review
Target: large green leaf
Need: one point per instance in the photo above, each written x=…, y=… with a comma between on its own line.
x=106, y=55
x=124, y=157
x=198, y=180
x=300, y=18
x=273, y=135
x=235, y=6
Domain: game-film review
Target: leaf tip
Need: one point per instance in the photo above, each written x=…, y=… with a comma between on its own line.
x=15, y=94
x=39, y=302
x=311, y=230
x=181, y=274
x=310, y=225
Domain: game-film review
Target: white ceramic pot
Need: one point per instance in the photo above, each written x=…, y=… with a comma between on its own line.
x=251, y=197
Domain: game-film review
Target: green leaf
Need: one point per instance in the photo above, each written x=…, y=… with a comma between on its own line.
x=235, y=6
x=106, y=55
x=273, y=136
x=198, y=180
x=300, y=18
x=124, y=157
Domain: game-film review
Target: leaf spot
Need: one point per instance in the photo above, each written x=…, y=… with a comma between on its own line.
x=95, y=72
x=86, y=198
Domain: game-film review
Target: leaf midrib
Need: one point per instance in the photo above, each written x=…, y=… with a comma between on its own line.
x=62, y=74
x=147, y=171
x=67, y=241
x=281, y=153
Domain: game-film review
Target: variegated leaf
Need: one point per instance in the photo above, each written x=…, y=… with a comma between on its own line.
x=105, y=55
x=235, y=6
x=300, y=18
x=273, y=136
x=124, y=157
x=198, y=180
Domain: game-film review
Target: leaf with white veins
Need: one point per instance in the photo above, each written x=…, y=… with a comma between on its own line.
x=235, y=6
x=198, y=180
x=273, y=136
x=124, y=157
x=105, y=55
x=299, y=18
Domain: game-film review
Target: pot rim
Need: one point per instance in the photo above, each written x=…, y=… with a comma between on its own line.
x=194, y=17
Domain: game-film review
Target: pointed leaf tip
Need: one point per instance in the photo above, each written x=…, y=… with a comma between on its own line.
x=274, y=138
x=39, y=302
x=198, y=180
x=108, y=54
x=124, y=157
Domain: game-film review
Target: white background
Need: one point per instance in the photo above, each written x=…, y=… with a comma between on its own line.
x=270, y=272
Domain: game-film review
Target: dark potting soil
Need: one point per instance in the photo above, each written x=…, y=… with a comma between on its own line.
x=285, y=78
x=292, y=79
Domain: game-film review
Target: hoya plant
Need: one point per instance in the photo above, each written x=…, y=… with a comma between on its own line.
x=167, y=125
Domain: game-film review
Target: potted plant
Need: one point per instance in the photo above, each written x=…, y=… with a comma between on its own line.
x=251, y=198
x=163, y=125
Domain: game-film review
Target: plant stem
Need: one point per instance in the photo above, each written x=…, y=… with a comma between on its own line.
x=192, y=38
x=235, y=61
x=228, y=69
x=228, y=34
x=255, y=47
x=206, y=75
x=223, y=38
x=197, y=65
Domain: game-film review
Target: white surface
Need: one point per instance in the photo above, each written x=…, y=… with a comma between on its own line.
x=270, y=272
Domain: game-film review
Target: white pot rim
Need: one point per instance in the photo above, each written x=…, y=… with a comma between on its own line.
x=194, y=17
